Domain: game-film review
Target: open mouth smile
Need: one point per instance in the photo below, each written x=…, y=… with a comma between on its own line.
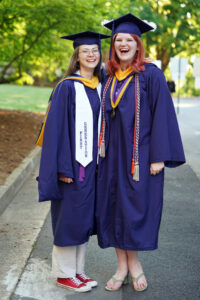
x=91, y=60
x=124, y=50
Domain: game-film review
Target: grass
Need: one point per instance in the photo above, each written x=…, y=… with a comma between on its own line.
x=28, y=98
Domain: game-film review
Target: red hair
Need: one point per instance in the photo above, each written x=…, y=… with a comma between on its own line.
x=137, y=63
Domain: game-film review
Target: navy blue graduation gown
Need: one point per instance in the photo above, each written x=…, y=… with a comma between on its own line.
x=72, y=205
x=128, y=213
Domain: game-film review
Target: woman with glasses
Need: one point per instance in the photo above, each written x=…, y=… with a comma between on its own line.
x=68, y=161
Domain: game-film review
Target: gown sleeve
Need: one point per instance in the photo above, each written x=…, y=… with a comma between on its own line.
x=56, y=150
x=165, y=140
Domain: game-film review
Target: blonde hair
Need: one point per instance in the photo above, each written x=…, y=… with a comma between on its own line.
x=75, y=66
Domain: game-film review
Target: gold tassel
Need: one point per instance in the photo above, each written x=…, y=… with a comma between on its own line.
x=136, y=173
x=102, y=149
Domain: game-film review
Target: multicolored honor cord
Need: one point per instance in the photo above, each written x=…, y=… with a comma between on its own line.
x=103, y=126
x=135, y=156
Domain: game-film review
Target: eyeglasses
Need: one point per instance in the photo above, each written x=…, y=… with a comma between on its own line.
x=87, y=52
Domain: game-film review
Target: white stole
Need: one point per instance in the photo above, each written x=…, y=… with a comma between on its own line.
x=84, y=124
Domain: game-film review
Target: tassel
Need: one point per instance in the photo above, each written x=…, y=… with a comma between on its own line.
x=102, y=149
x=136, y=173
x=132, y=166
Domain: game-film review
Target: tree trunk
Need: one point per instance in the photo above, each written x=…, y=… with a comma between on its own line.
x=163, y=55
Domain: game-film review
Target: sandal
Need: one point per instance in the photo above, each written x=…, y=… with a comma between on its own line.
x=123, y=281
x=136, y=279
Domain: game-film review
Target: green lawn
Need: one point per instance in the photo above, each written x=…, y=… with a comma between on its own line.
x=24, y=97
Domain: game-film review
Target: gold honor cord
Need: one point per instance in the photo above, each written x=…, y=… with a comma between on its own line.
x=93, y=83
x=115, y=104
x=135, y=153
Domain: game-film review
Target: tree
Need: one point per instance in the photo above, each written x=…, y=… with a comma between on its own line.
x=30, y=32
x=178, y=28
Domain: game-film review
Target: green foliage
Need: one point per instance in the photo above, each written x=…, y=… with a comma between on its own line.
x=188, y=89
x=30, y=31
x=178, y=28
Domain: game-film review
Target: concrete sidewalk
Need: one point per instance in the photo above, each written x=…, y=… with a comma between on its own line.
x=20, y=223
x=172, y=271
x=17, y=178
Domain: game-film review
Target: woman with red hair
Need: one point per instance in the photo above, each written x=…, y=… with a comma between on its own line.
x=139, y=137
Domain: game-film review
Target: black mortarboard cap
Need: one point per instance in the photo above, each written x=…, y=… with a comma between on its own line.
x=85, y=38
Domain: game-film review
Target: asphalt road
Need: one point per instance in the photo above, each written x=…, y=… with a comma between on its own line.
x=172, y=271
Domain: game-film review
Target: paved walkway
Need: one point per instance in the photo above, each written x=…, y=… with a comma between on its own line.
x=172, y=270
x=20, y=225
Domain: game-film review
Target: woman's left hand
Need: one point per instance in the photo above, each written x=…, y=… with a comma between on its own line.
x=156, y=167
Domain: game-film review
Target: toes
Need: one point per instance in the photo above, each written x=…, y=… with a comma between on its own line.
x=116, y=285
x=136, y=285
x=140, y=285
x=109, y=285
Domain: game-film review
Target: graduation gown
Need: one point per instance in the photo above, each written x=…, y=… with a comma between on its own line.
x=128, y=213
x=72, y=205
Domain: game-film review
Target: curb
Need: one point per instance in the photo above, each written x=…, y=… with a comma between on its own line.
x=16, y=179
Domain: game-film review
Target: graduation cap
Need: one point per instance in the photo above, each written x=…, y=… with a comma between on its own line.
x=85, y=38
x=128, y=24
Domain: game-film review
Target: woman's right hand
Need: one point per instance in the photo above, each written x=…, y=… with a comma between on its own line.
x=156, y=167
x=64, y=178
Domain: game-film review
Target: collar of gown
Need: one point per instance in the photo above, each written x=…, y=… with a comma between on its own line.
x=91, y=83
x=121, y=75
